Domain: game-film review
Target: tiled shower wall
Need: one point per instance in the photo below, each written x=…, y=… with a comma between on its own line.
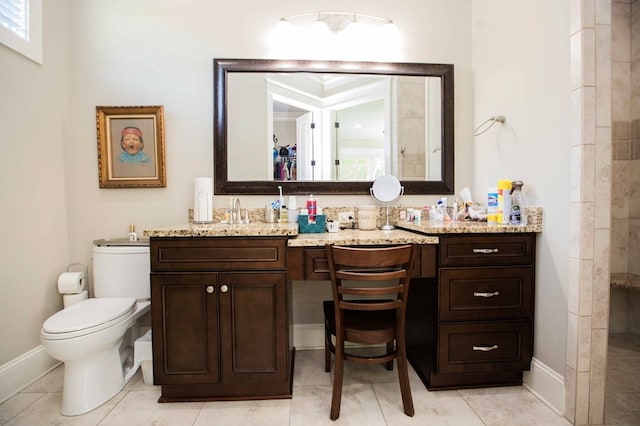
x=625, y=73
x=411, y=128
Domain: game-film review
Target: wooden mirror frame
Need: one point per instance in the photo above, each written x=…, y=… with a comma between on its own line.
x=221, y=68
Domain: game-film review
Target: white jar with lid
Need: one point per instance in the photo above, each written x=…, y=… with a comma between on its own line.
x=367, y=217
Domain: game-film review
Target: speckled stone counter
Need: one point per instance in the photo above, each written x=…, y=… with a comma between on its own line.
x=357, y=237
x=534, y=224
x=256, y=229
x=409, y=232
x=628, y=281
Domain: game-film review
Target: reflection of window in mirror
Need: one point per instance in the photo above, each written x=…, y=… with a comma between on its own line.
x=360, y=142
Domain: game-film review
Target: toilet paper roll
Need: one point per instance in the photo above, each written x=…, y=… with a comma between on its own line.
x=72, y=299
x=71, y=282
x=203, y=200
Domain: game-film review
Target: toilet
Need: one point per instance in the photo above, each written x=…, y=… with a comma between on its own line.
x=95, y=337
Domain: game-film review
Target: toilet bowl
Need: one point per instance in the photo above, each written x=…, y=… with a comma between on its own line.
x=94, y=370
x=95, y=337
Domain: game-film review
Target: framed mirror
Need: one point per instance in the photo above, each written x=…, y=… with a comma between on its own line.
x=332, y=127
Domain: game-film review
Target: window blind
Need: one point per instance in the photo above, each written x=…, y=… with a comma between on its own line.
x=14, y=16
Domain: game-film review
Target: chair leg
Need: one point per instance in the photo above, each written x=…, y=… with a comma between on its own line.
x=337, y=379
x=389, y=350
x=403, y=376
x=327, y=351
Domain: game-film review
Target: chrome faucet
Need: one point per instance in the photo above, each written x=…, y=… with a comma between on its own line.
x=236, y=216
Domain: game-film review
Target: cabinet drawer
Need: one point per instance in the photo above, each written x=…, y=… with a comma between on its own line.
x=316, y=266
x=475, y=294
x=217, y=254
x=478, y=347
x=487, y=250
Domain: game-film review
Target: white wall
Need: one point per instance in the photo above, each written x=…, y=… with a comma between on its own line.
x=34, y=148
x=521, y=70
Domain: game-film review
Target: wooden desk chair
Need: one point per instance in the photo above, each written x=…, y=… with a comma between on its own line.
x=368, y=315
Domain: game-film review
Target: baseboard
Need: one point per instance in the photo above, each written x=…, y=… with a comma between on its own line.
x=20, y=372
x=308, y=336
x=546, y=385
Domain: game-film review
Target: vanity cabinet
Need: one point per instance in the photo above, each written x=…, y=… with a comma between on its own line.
x=475, y=328
x=220, y=318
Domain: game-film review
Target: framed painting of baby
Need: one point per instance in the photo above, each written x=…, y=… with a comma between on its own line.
x=131, y=146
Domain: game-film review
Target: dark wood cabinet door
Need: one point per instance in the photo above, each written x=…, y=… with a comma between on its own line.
x=253, y=328
x=185, y=328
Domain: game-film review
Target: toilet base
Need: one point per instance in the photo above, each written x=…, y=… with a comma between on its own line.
x=95, y=381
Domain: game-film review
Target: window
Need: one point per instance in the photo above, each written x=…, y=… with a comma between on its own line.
x=21, y=27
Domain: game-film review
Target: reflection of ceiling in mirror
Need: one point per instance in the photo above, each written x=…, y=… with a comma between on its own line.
x=286, y=108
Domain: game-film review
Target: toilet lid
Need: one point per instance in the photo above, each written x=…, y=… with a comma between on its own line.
x=89, y=314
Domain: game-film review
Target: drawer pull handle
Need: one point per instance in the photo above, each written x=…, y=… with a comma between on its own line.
x=485, y=348
x=486, y=250
x=210, y=289
x=477, y=294
x=224, y=288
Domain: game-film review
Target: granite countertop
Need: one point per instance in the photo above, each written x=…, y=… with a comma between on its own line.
x=534, y=224
x=409, y=232
x=219, y=229
x=358, y=237
x=626, y=280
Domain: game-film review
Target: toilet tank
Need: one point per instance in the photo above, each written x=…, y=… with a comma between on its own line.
x=121, y=270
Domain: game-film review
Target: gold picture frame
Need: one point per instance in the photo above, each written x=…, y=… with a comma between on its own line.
x=131, y=146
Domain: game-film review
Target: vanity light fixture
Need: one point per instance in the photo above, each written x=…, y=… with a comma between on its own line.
x=488, y=123
x=326, y=33
x=336, y=21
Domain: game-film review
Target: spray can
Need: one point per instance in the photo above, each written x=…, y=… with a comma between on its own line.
x=312, y=207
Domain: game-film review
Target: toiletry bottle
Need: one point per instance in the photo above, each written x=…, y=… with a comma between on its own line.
x=132, y=233
x=292, y=212
x=492, y=206
x=284, y=217
x=312, y=207
x=516, y=202
x=504, y=201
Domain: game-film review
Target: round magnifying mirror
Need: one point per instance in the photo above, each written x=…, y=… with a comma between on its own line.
x=387, y=189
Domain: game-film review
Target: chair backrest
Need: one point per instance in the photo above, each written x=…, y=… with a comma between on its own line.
x=370, y=265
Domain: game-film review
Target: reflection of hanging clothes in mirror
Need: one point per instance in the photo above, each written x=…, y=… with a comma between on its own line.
x=285, y=164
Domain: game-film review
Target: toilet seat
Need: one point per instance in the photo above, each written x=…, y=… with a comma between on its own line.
x=87, y=317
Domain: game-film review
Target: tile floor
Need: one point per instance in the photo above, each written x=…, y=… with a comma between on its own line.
x=622, y=389
x=371, y=396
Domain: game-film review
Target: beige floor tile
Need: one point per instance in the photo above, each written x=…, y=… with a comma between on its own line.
x=142, y=408
x=46, y=411
x=260, y=413
x=431, y=408
x=311, y=405
x=309, y=369
x=512, y=405
x=16, y=404
x=622, y=418
x=137, y=383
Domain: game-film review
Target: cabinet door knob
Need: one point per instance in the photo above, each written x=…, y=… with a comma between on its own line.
x=210, y=289
x=224, y=288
